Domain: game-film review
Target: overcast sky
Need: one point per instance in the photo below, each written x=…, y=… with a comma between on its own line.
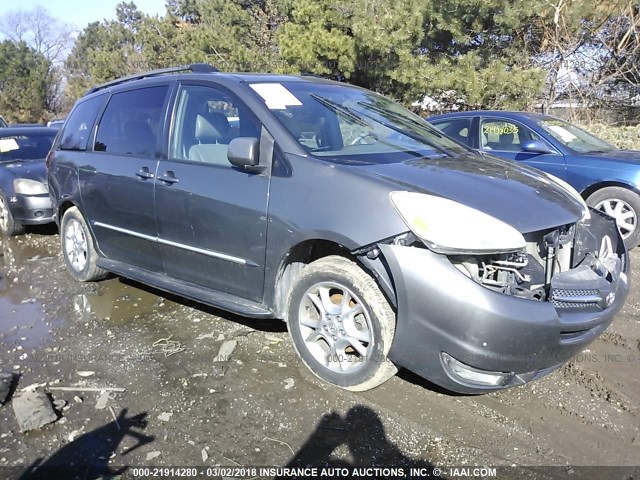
x=81, y=12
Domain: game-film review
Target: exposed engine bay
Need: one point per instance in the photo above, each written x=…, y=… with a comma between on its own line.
x=573, y=266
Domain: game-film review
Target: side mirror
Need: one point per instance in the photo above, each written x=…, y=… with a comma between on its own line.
x=244, y=152
x=537, y=146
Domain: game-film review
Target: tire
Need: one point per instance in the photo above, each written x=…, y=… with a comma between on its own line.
x=622, y=204
x=8, y=226
x=334, y=346
x=78, y=249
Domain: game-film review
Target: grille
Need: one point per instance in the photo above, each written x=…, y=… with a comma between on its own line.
x=560, y=295
x=561, y=292
x=572, y=305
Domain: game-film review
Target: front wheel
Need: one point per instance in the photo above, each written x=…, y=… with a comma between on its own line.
x=79, y=253
x=8, y=226
x=341, y=324
x=623, y=205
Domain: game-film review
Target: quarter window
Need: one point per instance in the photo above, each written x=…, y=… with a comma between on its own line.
x=206, y=120
x=77, y=131
x=132, y=122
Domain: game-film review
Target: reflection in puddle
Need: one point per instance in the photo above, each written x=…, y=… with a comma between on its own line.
x=22, y=318
x=28, y=266
x=118, y=303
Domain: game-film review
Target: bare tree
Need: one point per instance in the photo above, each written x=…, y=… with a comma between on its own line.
x=590, y=50
x=40, y=31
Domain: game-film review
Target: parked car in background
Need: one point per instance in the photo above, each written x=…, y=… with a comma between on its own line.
x=3, y=124
x=607, y=178
x=379, y=240
x=24, y=196
x=57, y=123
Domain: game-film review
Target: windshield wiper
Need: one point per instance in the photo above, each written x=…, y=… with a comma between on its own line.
x=337, y=108
x=414, y=136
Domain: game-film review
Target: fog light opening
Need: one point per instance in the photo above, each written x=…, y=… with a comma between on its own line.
x=465, y=374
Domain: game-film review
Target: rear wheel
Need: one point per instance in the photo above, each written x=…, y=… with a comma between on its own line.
x=8, y=226
x=79, y=253
x=341, y=324
x=623, y=205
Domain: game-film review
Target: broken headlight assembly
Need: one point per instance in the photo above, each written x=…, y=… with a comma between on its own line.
x=449, y=227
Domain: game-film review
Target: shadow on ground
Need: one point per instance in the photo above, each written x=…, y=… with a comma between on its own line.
x=87, y=457
x=362, y=432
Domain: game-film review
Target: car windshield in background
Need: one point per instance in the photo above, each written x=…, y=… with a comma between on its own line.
x=25, y=146
x=352, y=125
x=575, y=138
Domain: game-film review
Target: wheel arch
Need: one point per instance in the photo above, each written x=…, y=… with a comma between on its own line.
x=309, y=250
x=591, y=189
x=63, y=206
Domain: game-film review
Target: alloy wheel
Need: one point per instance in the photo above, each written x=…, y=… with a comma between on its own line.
x=4, y=214
x=625, y=215
x=336, y=327
x=75, y=244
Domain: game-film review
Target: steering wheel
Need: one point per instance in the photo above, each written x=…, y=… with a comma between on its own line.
x=359, y=139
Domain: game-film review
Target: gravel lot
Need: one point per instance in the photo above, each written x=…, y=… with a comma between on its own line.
x=260, y=406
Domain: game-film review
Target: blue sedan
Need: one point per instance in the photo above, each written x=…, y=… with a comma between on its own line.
x=608, y=178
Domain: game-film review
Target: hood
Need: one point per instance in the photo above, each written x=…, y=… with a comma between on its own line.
x=519, y=196
x=32, y=169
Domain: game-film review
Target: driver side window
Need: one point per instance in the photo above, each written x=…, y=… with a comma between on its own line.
x=502, y=135
x=206, y=119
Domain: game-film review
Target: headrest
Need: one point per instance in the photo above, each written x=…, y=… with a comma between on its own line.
x=138, y=130
x=506, y=138
x=211, y=127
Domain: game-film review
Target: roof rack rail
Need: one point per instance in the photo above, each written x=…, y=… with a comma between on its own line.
x=194, y=67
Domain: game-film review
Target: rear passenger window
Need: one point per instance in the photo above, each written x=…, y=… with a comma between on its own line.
x=458, y=129
x=75, y=135
x=206, y=120
x=132, y=122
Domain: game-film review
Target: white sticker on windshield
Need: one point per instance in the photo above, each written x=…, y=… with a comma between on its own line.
x=8, y=144
x=563, y=133
x=275, y=95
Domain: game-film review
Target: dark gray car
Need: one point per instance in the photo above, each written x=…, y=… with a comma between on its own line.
x=382, y=243
x=24, y=198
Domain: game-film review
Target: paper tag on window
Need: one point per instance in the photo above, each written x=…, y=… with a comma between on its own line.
x=275, y=95
x=563, y=133
x=8, y=144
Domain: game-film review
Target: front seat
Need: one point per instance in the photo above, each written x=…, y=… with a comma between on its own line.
x=505, y=142
x=138, y=139
x=212, y=134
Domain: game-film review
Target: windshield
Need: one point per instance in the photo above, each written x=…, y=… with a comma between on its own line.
x=23, y=146
x=574, y=137
x=350, y=124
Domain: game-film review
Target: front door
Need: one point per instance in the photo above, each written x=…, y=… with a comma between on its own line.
x=117, y=179
x=504, y=138
x=211, y=216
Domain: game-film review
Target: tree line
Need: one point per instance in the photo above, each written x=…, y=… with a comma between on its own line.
x=462, y=54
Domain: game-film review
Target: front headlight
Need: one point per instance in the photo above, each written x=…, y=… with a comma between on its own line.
x=573, y=192
x=446, y=226
x=26, y=186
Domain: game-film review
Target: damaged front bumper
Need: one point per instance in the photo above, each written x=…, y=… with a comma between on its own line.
x=469, y=338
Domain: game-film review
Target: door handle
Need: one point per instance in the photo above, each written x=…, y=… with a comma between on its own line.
x=169, y=178
x=144, y=173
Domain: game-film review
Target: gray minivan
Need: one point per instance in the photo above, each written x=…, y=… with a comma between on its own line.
x=381, y=242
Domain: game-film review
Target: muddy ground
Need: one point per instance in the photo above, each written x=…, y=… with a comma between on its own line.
x=267, y=410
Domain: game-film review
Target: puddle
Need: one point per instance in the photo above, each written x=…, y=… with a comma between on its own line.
x=22, y=318
x=118, y=303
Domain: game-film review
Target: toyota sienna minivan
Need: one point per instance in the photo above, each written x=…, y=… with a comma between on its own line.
x=380, y=242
